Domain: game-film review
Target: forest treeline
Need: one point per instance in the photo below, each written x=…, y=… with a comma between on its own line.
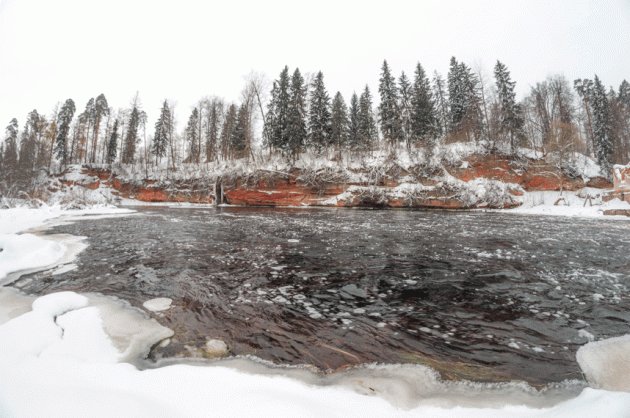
x=298, y=114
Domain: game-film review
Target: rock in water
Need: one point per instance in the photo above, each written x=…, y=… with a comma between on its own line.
x=216, y=348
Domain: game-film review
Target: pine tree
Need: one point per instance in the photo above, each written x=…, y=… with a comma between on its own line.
x=339, y=122
x=424, y=124
x=404, y=105
x=602, y=126
x=163, y=130
x=101, y=109
x=295, y=132
x=353, y=122
x=319, y=114
x=86, y=119
x=389, y=111
x=367, y=123
x=64, y=119
x=511, y=118
x=192, y=137
x=28, y=144
x=10, y=156
x=131, y=136
x=112, y=144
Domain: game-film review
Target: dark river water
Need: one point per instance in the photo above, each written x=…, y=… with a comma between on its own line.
x=481, y=296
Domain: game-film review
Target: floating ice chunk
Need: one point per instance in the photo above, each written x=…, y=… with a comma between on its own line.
x=158, y=304
x=598, y=296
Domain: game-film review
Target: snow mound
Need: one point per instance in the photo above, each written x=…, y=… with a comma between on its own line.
x=606, y=363
x=27, y=251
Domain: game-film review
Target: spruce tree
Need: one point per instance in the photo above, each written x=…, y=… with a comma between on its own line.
x=212, y=129
x=240, y=134
x=424, y=122
x=10, y=157
x=271, y=119
x=112, y=144
x=163, y=129
x=64, y=119
x=441, y=103
x=389, y=111
x=367, y=123
x=339, y=122
x=319, y=114
x=404, y=105
x=192, y=137
x=602, y=123
x=510, y=115
x=295, y=132
x=131, y=136
x=353, y=122
x=456, y=95
x=229, y=123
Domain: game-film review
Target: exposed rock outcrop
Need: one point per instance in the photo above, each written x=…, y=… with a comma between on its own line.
x=479, y=181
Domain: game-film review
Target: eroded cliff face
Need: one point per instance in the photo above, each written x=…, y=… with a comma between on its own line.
x=479, y=181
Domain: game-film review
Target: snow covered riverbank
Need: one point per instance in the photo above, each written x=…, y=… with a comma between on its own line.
x=66, y=357
x=568, y=203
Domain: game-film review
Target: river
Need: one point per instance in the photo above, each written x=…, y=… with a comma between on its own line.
x=485, y=296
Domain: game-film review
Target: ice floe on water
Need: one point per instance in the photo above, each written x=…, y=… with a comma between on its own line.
x=158, y=304
x=60, y=360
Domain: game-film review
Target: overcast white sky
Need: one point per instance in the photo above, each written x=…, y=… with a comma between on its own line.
x=184, y=50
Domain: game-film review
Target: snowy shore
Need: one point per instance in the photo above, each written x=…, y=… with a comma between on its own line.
x=66, y=355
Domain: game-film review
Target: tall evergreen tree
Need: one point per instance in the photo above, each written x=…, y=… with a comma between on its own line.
x=424, y=122
x=212, y=129
x=277, y=118
x=353, y=122
x=441, y=103
x=464, y=101
x=101, y=110
x=10, y=156
x=295, y=132
x=64, y=119
x=319, y=114
x=339, y=126
x=192, y=136
x=112, y=144
x=229, y=123
x=368, y=134
x=240, y=134
x=163, y=131
x=456, y=94
x=131, y=135
x=271, y=120
x=389, y=111
x=404, y=87
x=602, y=126
x=511, y=118
x=80, y=151
x=28, y=145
